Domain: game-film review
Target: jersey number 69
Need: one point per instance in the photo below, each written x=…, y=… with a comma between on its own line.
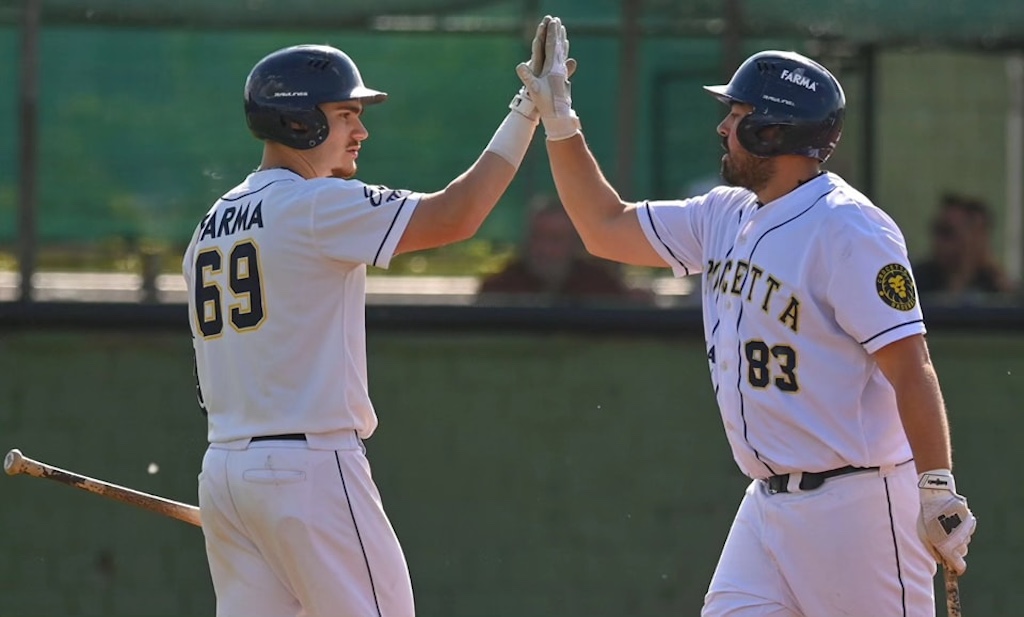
x=246, y=312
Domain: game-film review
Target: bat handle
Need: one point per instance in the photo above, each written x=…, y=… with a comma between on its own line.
x=13, y=462
x=952, y=593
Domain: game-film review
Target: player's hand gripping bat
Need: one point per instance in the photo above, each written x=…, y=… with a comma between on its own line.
x=15, y=463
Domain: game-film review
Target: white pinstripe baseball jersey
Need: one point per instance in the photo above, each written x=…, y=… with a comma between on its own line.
x=797, y=294
x=276, y=271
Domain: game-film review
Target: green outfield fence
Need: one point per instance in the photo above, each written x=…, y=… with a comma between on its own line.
x=140, y=123
x=551, y=470
x=141, y=130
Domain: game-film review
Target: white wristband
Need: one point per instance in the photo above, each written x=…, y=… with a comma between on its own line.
x=513, y=137
x=522, y=103
x=558, y=128
x=937, y=480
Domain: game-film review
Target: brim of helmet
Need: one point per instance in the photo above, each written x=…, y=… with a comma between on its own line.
x=369, y=96
x=719, y=92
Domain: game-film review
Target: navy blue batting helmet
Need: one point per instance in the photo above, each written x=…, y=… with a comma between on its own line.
x=284, y=89
x=791, y=92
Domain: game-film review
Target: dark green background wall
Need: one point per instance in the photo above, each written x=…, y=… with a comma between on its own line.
x=527, y=475
x=141, y=130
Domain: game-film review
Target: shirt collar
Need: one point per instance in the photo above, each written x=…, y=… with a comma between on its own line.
x=818, y=185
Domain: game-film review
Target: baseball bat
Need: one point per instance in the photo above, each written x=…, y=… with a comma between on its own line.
x=952, y=593
x=15, y=463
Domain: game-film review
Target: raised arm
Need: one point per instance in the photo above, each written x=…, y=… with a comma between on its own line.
x=456, y=212
x=608, y=226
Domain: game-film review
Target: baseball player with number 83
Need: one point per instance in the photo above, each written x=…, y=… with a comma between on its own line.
x=815, y=342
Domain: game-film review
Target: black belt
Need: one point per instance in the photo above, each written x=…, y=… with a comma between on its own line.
x=285, y=437
x=810, y=480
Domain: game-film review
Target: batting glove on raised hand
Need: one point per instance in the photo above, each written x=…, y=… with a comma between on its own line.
x=521, y=102
x=550, y=89
x=945, y=523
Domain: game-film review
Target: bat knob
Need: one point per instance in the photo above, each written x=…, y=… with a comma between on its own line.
x=12, y=462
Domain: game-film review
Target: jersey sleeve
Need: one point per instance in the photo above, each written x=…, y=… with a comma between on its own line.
x=188, y=259
x=186, y=264
x=870, y=281
x=675, y=230
x=360, y=223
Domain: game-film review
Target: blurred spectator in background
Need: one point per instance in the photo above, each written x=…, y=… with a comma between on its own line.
x=962, y=265
x=553, y=266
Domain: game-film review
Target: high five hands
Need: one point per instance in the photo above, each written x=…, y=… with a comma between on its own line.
x=546, y=79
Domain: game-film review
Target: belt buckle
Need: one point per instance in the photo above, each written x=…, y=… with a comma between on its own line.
x=778, y=484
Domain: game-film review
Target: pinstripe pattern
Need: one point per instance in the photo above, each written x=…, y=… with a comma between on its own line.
x=355, y=524
x=739, y=319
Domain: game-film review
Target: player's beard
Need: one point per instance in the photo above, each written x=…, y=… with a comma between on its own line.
x=346, y=172
x=746, y=170
x=348, y=169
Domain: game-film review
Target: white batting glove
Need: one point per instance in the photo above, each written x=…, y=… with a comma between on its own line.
x=945, y=523
x=521, y=102
x=550, y=89
x=513, y=137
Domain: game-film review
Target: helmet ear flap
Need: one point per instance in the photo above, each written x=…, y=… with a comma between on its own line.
x=760, y=139
x=303, y=130
x=765, y=137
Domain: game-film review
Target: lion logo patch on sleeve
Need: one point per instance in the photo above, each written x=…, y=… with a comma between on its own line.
x=896, y=287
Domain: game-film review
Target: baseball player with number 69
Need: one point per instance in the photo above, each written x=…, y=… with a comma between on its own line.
x=815, y=342
x=276, y=273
